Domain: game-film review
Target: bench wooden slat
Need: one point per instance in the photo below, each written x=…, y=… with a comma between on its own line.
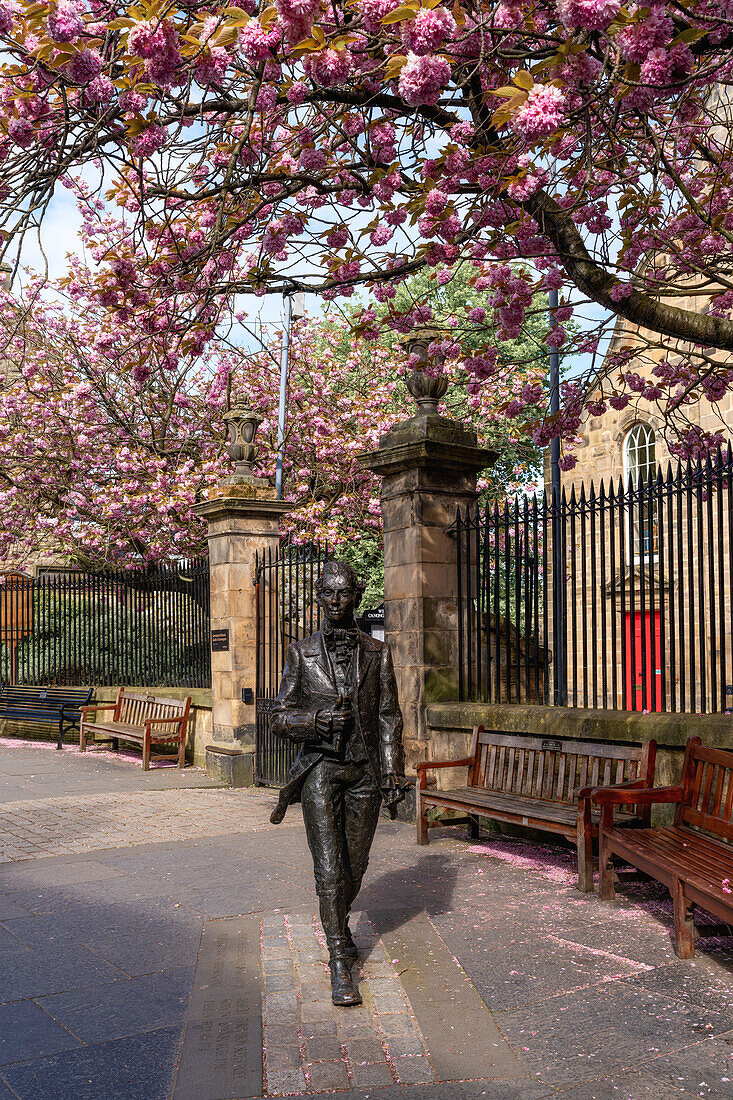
x=706, y=865
x=718, y=796
x=727, y=811
x=707, y=786
x=467, y=797
x=693, y=858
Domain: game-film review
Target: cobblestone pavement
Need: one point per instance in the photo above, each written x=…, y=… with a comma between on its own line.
x=61, y=826
x=485, y=973
x=310, y=1046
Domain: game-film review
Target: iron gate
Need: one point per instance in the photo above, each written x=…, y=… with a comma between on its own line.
x=286, y=610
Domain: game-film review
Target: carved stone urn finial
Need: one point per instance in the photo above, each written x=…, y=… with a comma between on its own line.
x=427, y=389
x=242, y=424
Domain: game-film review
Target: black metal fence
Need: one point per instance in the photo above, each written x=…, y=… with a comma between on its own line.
x=286, y=611
x=619, y=597
x=143, y=626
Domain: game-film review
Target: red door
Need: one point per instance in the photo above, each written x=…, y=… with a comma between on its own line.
x=636, y=697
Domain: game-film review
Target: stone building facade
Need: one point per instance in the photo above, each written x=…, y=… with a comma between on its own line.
x=643, y=592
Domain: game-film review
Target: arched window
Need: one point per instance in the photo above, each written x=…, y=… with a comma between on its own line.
x=639, y=467
x=639, y=455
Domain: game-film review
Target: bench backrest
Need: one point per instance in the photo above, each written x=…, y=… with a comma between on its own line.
x=554, y=768
x=43, y=698
x=707, y=779
x=133, y=708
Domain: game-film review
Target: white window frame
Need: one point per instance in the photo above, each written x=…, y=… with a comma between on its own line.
x=647, y=469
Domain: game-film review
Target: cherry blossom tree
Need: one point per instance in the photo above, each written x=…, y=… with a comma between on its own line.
x=109, y=429
x=322, y=146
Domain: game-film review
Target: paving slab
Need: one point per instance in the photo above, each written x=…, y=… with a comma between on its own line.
x=700, y=981
x=587, y=1034
x=625, y=1086
x=38, y=973
x=137, y=1068
x=10, y=943
x=161, y=949
x=35, y=828
x=461, y=1036
x=518, y=974
x=705, y=1069
x=10, y=908
x=126, y=1007
x=221, y=1054
x=451, y=1090
x=26, y=1031
x=100, y=922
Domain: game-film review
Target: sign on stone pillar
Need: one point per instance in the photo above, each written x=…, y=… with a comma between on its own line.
x=243, y=517
x=428, y=467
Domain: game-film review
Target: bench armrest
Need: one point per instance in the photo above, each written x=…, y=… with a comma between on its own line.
x=423, y=768
x=610, y=796
x=429, y=765
x=627, y=785
x=94, y=707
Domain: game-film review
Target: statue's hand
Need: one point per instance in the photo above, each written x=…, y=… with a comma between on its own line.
x=393, y=790
x=323, y=725
x=334, y=725
x=341, y=720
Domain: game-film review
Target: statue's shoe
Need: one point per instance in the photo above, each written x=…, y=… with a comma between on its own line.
x=343, y=991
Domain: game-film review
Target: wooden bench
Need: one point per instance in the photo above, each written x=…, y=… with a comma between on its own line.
x=694, y=857
x=544, y=783
x=60, y=705
x=142, y=720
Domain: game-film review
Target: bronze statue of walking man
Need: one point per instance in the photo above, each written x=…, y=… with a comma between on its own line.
x=338, y=701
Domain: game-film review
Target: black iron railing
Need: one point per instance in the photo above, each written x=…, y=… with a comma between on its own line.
x=286, y=611
x=615, y=597
x=143, y=626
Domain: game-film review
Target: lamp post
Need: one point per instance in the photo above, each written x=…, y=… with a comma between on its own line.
x=293, y=310
x=558, y=591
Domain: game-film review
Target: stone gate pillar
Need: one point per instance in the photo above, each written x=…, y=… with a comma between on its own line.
x=428, y=466
x=243, y=517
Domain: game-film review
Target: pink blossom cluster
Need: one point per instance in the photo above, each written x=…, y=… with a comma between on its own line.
x=422, y=79
x=355, y=150
x=6, y=17
x=329, y=67
x=149, y=141
x=428, y=31
x=653, y=29
x=84, y=66
x=257, y=43
x=65, y=22
x=592, y=15
x=373, y=11
x=297, y=17
x=541, y=114
x=156, y=42
x=662, y=66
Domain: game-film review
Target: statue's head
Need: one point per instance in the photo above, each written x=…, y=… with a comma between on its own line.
x=339, y=591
